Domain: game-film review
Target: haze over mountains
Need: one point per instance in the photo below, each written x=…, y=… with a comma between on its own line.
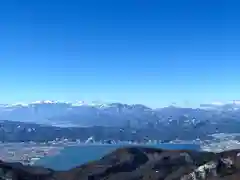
x=48, y=120
x=114, y=114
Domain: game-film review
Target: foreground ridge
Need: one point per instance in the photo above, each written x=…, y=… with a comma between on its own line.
x=139, y=163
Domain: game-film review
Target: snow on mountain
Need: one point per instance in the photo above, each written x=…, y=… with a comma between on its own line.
x=79, y=112
x=223, y=106
x=45, y=102
x=97, y=113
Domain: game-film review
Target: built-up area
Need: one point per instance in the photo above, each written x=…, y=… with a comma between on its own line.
x=30, y=152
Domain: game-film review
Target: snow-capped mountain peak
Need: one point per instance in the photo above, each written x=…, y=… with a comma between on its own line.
x=217, y=103
x=78, y=103
x=223, y=106
x=103, y=114
x=17, y=105
x=80, y=112
x=44, y=102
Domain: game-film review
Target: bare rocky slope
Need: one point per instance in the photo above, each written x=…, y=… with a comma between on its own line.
x=139, y=163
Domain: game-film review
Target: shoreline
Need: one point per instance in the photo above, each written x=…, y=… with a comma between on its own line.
x=32, y=153
x=59, y=150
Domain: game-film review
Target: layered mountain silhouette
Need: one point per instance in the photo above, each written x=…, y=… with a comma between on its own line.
x=139, y=163
x=47, y=120
x=113, y=114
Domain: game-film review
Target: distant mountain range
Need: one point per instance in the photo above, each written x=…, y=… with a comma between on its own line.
x=116, y=114
x=75, y=114
x=48, y=120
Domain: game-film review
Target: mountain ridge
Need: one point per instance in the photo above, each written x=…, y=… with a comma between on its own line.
x=119, y=121
x=139, y=163
x=107, y=114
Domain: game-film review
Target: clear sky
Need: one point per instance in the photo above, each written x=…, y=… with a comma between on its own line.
x=153, y=52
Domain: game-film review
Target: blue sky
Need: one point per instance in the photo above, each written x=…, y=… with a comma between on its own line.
x=154, y=52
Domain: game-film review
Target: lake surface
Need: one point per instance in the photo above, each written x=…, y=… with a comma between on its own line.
x=73, y=156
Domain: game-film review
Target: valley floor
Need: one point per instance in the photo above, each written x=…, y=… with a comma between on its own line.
x=29, y=153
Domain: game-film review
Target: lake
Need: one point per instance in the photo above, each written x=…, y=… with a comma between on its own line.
x=73, y=156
